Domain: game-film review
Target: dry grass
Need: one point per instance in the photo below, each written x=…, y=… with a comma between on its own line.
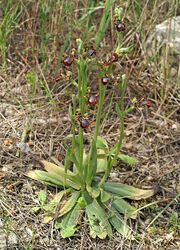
x=152, y=134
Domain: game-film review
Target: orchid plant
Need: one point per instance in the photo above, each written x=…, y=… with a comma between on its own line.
x=82, y=181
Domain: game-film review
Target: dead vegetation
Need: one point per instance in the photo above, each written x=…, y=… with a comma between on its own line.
x=32, y=128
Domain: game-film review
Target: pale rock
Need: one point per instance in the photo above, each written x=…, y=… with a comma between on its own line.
x=168, y=32
x=174, y=72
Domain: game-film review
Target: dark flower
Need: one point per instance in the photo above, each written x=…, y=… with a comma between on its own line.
x=84, y=122
x=91, y=52
x=68, y=60
x=107, y=80
x=120, y=26
x=92, y=100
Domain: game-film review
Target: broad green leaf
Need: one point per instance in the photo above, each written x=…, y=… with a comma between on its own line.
x=98, y=221
x=124, y=207
x=101, y=165
x=101, y=143
x=68, y=222
x=126, y=191
x=51, y=167
x=45, y=177
x=105, y=196
x=59, y=172
x=94, y=192
x=52, y=179
x=127, y=159
x=120, y=224
x=51, y=206
x=70, y=203
x=42, y=197
x=101, y=161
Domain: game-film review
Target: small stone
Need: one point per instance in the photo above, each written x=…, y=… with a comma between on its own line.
x=12, y=239
x=7, y=168
x=113, y=175
x=174, y=126
x=149, y=178
x=173, y=72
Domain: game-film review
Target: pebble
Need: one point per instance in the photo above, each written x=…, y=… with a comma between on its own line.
x=7, y=241
x=173, y=72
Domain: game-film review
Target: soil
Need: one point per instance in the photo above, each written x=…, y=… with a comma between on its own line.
x=34, y=131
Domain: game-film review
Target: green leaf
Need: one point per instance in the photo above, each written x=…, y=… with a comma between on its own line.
x=126, y=50
x=45, y=177
x=51, y=167
x=101, y=165
x=51, y=206
x=42, y=197
x=98, y=221
x=81, y=201
x=68, y=232
x=126, y=191
x=105, y=196
x=36, y=209
x=124, y=207
x=127, y=159
x=52, y=179
x=68, y=222
x=101, y=143
x=101, y=161
x=119, y=224
x=93, y=191
x=70, y=203
x=59, y=172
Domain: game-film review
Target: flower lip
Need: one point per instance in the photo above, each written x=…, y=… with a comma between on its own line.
x=107, y=80
x=113, y=58
x=84, y=122
x=92, y=100
x=120, y=26
x=91, y=52
x=147, y=103
x=68, y=60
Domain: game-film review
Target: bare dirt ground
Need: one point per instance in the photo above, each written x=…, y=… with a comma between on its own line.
x=152, y=136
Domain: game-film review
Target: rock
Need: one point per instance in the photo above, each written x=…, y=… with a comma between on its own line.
x=7, y=109
x=114, y=176
x=12, y=239
x=7, y=241
x=174, y=72
x=7, y=168
x=168, y=32
x=2, y=237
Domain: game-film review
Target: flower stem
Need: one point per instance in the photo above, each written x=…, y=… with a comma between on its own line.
x=102, y=91
x=121, y=114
